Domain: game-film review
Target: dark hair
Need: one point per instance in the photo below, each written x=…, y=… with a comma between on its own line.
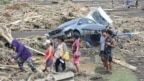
x=76, y=36
x=8, y=45
x=51, y=44
x=104, y=31
x=109, y=32
x=61, y=38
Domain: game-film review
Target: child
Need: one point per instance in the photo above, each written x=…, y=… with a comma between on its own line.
x=76, y=52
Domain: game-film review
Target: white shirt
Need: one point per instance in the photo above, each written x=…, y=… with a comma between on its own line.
x=102, y=43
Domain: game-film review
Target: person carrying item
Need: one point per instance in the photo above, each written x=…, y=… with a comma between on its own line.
x=49, y=55
x=23, y=55
x=109, y=45
x=76, y=52
x=60, y=53
x=102, y=46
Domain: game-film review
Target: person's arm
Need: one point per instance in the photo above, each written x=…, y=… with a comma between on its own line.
x=19, y=52
x=64, y=49
x=78, y=47
x=113, y=44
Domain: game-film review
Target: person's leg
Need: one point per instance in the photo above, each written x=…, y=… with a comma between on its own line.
x=63, y=65
x=30, y=64
x=76, y=63
x=77, y=68
x=103, y=61
x=57, y=64
x=48, y=65
x=106, y=62
x=110, y=63
x=110, y=66
x=20, y=64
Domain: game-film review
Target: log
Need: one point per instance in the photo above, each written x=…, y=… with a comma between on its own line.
x=63, y=76
x=8, y=37
x=122, y=63
x=35, y=50
x=9, y=66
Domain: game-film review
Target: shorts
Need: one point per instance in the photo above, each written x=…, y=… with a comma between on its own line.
x=49, y=63
x=108, y=58
x=101, y=54
x=76, y=60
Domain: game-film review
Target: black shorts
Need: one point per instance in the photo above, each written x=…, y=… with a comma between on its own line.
x=108, y=58
x=101, y=54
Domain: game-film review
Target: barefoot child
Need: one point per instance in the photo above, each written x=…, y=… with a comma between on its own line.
x=76, y=52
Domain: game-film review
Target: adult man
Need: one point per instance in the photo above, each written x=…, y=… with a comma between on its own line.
x=109, y=45
x=102, y=46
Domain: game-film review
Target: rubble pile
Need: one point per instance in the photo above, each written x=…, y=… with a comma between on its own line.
x=22, y=16
x=125, y=25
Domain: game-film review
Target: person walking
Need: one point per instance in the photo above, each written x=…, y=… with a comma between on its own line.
x=59, y=54
x=102, y=46
x=23, y=55
x=49, y=55
x=136, y=4
x=128, y=3
x=109, y=45
x=76, y=52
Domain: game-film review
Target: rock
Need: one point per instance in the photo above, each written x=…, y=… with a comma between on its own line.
x=63, y=76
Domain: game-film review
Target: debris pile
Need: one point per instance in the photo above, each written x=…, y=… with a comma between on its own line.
x=22, y=16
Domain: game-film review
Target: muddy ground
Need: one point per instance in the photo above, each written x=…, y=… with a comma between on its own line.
x=125, y=20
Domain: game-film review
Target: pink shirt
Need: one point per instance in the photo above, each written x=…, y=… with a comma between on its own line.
x=75, y=45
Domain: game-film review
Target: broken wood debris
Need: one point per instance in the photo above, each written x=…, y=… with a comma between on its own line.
x=124, y=64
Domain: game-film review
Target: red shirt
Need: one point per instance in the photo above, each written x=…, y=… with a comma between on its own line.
x=51, y=52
